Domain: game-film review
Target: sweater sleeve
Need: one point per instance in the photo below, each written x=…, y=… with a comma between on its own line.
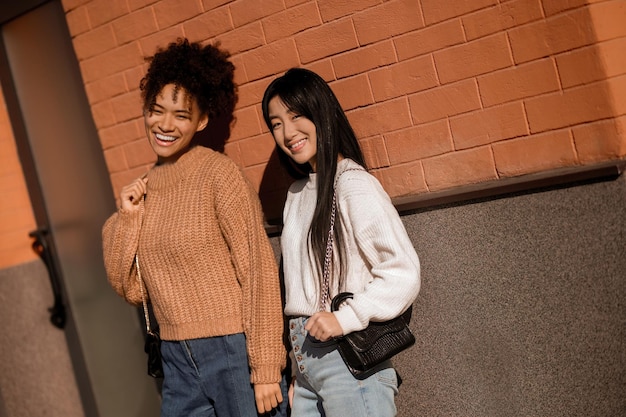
x=120, y=236
x=241, y=221
x=385, y=249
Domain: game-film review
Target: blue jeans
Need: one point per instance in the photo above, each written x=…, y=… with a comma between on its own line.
x=326, y=388
x=209, y=377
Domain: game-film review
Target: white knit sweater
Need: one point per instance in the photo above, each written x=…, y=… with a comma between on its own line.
x=383, y=269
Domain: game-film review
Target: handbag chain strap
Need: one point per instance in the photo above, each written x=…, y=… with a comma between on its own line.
x=328, y=255
x=143, y=295
x=325, y=293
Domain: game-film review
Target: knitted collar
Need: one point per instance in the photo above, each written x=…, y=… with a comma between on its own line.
x=166, y=175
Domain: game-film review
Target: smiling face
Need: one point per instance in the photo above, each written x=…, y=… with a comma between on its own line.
x=293, y=133
x=171, y=122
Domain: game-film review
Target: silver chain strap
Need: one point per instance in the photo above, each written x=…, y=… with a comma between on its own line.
x=143, y=296
x=328, y=256
x=325, y=293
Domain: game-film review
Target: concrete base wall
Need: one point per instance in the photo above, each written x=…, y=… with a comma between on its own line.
x=36, y=373
x=523, y=306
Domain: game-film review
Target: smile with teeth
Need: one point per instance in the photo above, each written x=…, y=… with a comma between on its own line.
x=295, y=147
x=165, y=138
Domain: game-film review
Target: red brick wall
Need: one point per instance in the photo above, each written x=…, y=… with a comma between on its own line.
x=441, y=93
x=16, y=215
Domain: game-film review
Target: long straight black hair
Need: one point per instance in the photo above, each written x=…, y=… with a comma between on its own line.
x=305, y=93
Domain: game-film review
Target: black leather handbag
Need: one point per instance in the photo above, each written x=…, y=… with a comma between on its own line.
x=365, y=349
x=153, y=349
x=152, y=344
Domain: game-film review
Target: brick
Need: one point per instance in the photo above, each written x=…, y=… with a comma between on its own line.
x=473, y=58
x=213, y=4
x=335, y=9
x=208, y=24
x=323, y=68
x=78, y=21
x=522, y=81
x=94, y=42
x=374, y=152
x=134, y=26
x=161, y=39
x=271, y=59
x=578, y=105
x=73, y=4
x=391, y=18
x=601, y=141
x=592, y=63
x=243, y=38
x=429, y=39
x=15, y=248
x=111, y=62
x=436, y=10
x=103, y=114
x=139, y=4
x=126, y=107
x=106, y=88
x=489, y=125
x=257, y=149
x=233, y=151
x=353, y=92
x=121, y=133
x=133, y=77
x=375, y=120
x=459, y=168
x=608, y=20
x=252, y=93
x=553, y=7
x=115, y=159
x=419, y=142
x=20, y=216
x=170, y=12
x=246, y=11
x=240, y=76
x=246, y=124
x=403, y=179
x=292, y=3
x=441, y=102
x=534, y=153
x=255, y=176
x=139, y=153
x=291, y=21
x=551, y=36
x=364, y=59
x=104, y=11
x=403, y=78
x=327, y=40
x=501, y=17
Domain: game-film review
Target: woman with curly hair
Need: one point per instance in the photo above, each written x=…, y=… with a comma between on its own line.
x=196, y=227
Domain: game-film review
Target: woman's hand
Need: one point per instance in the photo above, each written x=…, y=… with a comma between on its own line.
x=292, y=387
x=130, y=196
x=323, y=326
x=267, y=397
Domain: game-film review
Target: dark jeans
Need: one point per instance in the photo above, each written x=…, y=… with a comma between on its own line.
x=209, y=377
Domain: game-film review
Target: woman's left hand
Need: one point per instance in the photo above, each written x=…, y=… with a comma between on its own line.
x=267, y=397
x=323, y=326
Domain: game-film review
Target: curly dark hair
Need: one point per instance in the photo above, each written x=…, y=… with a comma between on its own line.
x=203, y=71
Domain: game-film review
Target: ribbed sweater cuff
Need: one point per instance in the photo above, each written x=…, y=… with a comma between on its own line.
x=267, y=374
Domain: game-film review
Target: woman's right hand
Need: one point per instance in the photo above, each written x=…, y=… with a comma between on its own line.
x=131, y=194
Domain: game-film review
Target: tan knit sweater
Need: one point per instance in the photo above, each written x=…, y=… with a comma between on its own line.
x=204, y=256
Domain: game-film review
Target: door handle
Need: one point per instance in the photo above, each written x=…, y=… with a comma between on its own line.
x=42, y=247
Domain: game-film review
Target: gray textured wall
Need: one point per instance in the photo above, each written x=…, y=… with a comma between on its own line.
x=523, y=306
